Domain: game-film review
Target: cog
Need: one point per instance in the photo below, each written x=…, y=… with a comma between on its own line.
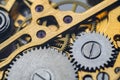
x=41, y=64
x=92, y=51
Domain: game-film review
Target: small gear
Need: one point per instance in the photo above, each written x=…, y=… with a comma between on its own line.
x=41, y=64
x=92, y=51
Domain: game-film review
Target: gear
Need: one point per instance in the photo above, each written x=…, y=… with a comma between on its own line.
x=92, y=51
x=41, y=64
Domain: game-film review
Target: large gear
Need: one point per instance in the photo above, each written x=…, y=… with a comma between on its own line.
x=92, y=51
x=41, y=64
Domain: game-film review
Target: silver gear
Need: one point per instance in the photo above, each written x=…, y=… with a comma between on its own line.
x=41, y=64
x=92, y=51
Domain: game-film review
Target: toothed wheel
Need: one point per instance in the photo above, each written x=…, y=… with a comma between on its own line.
x=41, y=64
x=92, y=51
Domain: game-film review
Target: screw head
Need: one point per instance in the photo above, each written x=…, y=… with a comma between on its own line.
x=91, y=50
x=87, y=77
x=67, y=19
x=103, y=76
x=39, y=8
x=42, y=74
x=117, y=69
x=117, y=37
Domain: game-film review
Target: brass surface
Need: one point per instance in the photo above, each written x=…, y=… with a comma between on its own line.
x=109, y=26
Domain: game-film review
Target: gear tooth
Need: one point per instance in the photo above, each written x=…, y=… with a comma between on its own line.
x=115, y=56
x=113, y=53
x=39, y=48
x=94, y=68
x=34, y=48
x=76, y=67
x=76, y=74
x=82, y=33
x=83, y=68
x=45, y=47
x=106, y=65
x=107, y=36
x=18, y=56
x=101, y=66
x=72, y=60
x=112, y=43
x=6, y=73
x=10, y=65
x=112, y=49
x=29, y=50
x=8, y=69
x=71, y=56
x=14, y=61
x=110, y=39
x=24, y=51
x=75, y=63
x=87, y=69
x=98, y=68
x=110, y=59
x=103, y=34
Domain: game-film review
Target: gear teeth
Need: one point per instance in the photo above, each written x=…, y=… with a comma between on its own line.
x=82, y=33
x=10, y=65
x=75, y=63
x=82, y=42
x=72, y=60
x=25, y=53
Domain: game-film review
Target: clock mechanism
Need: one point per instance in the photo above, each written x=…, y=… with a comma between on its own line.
x=59, y=40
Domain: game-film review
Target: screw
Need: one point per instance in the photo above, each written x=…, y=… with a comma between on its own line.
x=87, y=77
x=117, y=37
x=91, y=50
x=39, y=8
x=103, y=76
x=67, y=19
x=117, y=70
x=41, y=34
x=41, y=75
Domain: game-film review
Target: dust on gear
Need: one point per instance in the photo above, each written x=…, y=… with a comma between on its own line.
x=41, y=64
x=92, y=51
